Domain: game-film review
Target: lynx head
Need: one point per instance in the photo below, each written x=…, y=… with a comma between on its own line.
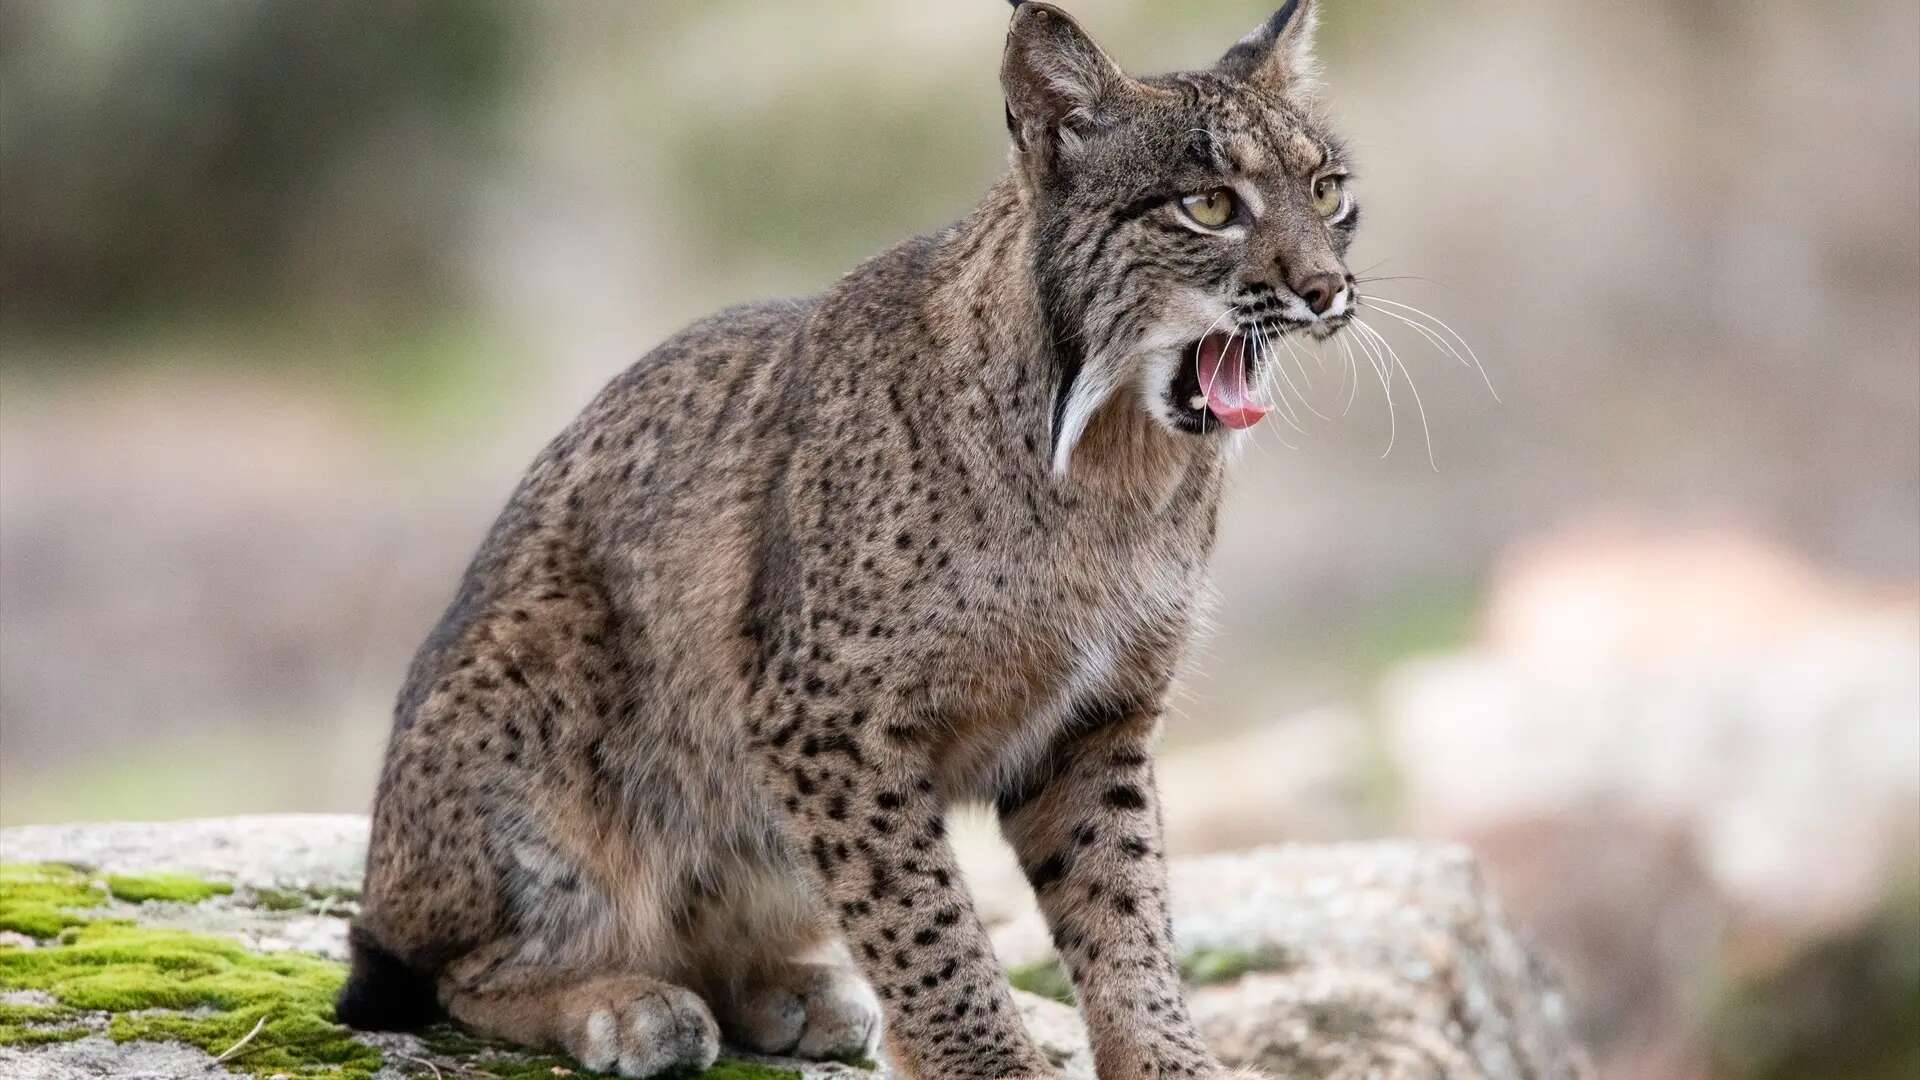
x=1183, y=224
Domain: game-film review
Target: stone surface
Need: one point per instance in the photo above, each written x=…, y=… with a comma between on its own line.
x=1385, y=960
x=1379, y=960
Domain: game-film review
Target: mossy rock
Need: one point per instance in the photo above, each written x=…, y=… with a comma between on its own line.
x=90, y=973
x=1045, y=978
x=176, y=888
x=42, y=899
x=1201, y=967
x=196, y=989
x=1370, y=942
x=1217, y=965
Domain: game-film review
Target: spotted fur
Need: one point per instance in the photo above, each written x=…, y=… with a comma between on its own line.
x=810, y=573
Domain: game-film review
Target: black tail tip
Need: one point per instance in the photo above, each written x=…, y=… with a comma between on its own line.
x=383, y=993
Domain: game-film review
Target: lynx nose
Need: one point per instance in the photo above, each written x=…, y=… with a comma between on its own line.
x=1319, y=290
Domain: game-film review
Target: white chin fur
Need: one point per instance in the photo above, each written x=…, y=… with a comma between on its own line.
x=1096, y=383
x=1154, y=361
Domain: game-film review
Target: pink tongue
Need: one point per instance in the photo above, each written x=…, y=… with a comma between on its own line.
x=1223, y=378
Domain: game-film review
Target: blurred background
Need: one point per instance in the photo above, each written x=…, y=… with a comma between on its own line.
x=291, y=292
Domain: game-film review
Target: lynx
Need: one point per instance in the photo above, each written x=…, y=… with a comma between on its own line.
x=675, y=766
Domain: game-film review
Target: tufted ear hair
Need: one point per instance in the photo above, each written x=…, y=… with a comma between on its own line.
x=1058, y=83
x=1279, y=52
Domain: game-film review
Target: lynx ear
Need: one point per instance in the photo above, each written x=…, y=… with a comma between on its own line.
x=1057, y=81
x=1279, y=52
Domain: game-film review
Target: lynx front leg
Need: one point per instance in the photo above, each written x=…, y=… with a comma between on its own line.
x=1086, y=825
x=872, y=835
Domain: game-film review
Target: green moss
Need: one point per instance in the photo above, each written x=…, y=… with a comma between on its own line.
x=508, y=1062
x=209, y=992
x=36, y=920
x=1206, y=967
x=446, y=1040
x=1842, y=1008
x=277, y=899
x=546, y=1068
x=11, y=1014
x=1046, y=979
x=55, y=883
x=34, y=1025
x=39, y=899
x=728, y=1069
x=21, y=1035
x=137, y=975
x=1202, y=967
x=328, y=901
x=537, y=1068
x=180, y=888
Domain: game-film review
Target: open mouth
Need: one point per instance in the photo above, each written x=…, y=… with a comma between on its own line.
x=1215, y=384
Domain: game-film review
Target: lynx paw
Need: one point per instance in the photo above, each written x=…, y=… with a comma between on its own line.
x=650, y=1030
x=815, y=1011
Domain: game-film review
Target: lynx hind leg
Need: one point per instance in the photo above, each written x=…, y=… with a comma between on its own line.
x=821, y=1012
x=628, y=1024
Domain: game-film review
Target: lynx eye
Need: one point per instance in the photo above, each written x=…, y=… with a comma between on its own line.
x=1328, y=193
x=1211, y=209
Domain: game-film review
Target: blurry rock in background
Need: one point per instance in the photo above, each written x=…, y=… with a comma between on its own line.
x=1690, y=761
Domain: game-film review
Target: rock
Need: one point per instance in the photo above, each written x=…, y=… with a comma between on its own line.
x=1793, y=769
x=1683, y=759
x=1388, y=960
x=99, y=1056
x=282, y=851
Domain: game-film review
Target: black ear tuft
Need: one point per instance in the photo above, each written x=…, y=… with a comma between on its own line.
x=1279, y=51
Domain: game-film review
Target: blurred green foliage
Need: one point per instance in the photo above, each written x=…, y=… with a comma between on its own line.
x=923, y=161
x=171, y=156
x=1847, y=1008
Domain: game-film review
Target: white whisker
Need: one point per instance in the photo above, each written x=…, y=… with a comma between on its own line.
x=1442, y=324
x=1267, y=367
x=1432, y=336
x=1267, y=393
x=1320, y=358
x=1298, y=365
x=1386, y=386
x=1350, y=381
x=1383, y=372
x=1303, y=372
x=1275, y=364
x=1427, y=430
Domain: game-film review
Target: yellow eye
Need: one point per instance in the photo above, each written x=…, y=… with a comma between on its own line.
x=1328, y=194
x=1213, y=209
